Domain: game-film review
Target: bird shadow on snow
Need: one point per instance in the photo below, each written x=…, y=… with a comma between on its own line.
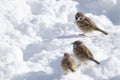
x=68, y=36
x=40, y=75
x=76, y=36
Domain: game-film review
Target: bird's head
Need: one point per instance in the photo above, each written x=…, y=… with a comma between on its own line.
x=66, y=55
x=76, y=43
x=79, y=16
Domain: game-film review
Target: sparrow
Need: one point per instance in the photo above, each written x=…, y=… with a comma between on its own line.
x=82, y=52
x=68, y=64
x=85, y=24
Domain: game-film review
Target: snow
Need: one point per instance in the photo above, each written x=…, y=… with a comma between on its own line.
x=35, y=34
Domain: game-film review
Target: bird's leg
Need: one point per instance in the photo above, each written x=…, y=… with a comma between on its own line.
x=78, y=65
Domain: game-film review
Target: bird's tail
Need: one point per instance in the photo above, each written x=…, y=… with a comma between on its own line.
x=95, y=61
x=72, y=69
x=104, y=32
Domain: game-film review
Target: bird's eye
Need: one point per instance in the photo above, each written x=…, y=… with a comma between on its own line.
x=80, y=18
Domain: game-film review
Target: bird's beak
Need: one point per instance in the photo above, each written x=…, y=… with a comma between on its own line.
x=76, y=17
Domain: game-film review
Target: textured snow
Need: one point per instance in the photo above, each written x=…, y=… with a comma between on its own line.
x=35, y=34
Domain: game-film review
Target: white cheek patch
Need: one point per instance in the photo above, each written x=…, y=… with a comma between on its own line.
x=80, y=18
x=74, y=46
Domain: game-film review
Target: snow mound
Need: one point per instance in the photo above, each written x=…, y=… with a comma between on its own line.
x=35, y=34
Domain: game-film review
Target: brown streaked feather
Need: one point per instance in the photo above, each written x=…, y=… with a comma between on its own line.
x=85, y=51
x=90, y=23
x=68, y=64
x=82, y=52
x=85, y=24
x=94, y=26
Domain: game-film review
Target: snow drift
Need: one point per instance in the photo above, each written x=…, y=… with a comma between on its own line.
x=35, y=34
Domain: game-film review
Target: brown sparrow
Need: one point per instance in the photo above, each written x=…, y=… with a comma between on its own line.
x=86, y=24
x=82, y=52
x=68, y=64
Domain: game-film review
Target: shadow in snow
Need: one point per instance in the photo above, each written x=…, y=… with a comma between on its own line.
x=115, y=78
x=68, y=36
x=30, y=50
x=34, y=76
x=40, y=75
x=35, y=48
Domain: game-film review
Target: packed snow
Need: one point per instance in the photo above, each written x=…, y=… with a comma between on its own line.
x=35, y=34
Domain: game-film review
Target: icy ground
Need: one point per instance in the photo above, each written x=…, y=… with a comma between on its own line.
x=34, y=35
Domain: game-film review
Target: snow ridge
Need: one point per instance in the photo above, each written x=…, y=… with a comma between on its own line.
x=35, y=34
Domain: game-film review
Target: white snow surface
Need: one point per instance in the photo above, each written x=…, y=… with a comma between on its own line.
x=34, y=35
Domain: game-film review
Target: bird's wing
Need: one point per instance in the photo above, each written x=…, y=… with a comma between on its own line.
x=66, y=62
x=72, y=61
x=69, y=64
x=90, y=22
x=85, y=51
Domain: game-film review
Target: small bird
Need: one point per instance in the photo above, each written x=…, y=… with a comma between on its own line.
x=68, y=64
x=82, y=52
x=85, y=24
